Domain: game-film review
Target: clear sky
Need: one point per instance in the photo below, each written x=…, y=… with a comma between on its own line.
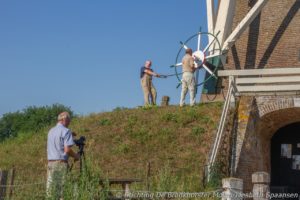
x=87, y=54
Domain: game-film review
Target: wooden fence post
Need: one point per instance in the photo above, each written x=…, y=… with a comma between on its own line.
x=3, y=181
x=11, y=183
x=148, y=176
x=165, y=101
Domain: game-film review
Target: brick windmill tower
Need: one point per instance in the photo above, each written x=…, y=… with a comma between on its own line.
x=271, y=40
x=260, y=42
x=254, y=34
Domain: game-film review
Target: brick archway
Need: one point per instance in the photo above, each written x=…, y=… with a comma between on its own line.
x=269, y=124
x=274, y=120
x=258, y=120
x=268, y=105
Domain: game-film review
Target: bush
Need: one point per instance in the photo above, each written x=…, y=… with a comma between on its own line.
x=30, y=119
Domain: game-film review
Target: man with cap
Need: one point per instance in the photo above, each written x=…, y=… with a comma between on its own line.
x=188, y=80
x=59, y=148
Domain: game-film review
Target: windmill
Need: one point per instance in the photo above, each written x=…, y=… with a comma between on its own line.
x=254, y=34
x=221, y=20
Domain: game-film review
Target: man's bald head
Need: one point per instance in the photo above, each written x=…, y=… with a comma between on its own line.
x=64, y=118
x=148, y=63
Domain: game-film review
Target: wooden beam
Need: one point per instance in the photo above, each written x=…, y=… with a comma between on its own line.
x=268, y=88
x=263, y=80
x=257, y=72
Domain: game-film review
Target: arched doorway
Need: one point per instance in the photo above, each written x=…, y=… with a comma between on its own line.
x=258, y=124
x=285, y=159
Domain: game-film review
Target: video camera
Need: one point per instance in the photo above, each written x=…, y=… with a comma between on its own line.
x=80, y=143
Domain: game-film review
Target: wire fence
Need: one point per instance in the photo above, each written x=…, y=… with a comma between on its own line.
x=37, y=191
x=22, y=184
x=29, y=184
x=26, y=190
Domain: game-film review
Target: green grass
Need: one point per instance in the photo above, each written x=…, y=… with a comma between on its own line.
x=175, y=141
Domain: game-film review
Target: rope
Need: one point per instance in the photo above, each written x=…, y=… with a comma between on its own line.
x=169, y=75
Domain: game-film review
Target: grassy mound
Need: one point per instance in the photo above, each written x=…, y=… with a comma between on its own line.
x=166, y=147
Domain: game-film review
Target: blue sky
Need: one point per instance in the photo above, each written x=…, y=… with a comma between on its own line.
x=87, y=54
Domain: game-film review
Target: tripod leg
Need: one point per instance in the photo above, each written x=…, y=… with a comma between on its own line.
x=83, y=161
x=80, y=164
x=71, y=167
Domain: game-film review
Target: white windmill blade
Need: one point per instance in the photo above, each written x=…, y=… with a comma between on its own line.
x=176, y=65
x=197, y=79
x=199, y=42
x=211, y=15
x=208, y=70
x=183, y=45
x=224, y=18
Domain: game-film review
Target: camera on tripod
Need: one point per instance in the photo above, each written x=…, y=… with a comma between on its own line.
x=80, y=143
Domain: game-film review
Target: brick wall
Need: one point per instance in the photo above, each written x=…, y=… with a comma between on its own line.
x=248, y=149
x=272, y=40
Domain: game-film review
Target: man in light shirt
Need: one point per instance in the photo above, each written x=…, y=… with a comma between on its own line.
x=188, y=80
x=59, y=143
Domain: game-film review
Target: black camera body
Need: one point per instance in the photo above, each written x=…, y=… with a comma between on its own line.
x=80, y=142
